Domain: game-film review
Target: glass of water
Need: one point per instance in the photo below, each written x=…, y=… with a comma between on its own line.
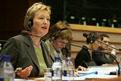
x=48, y=74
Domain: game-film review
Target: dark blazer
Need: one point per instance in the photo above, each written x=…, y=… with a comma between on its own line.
x=100, y=58
x=22, y=53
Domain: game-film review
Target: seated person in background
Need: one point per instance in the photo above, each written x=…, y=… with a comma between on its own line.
x=29, y=54
x=84, y=57
x=101, y=58
x=60, y=31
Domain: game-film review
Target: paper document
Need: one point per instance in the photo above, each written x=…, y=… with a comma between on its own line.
x=94, y=76
x=103, y=69
x=102, y=72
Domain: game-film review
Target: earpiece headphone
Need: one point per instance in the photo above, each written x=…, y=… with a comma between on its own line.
x=91, y=41
x=91, y=36
x=55, y=35
x=29, y=21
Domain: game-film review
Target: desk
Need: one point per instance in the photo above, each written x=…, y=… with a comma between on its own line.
x=33, y=78
x=105, y=68
x=114, y=79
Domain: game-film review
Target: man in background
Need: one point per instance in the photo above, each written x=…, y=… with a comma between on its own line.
x=101, y=58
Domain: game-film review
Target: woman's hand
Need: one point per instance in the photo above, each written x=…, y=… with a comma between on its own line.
x=106, y=64
x=76, y=74
x=81, y=68
x=24, y=73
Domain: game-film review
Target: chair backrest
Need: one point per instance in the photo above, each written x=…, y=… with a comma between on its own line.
x=2, y=42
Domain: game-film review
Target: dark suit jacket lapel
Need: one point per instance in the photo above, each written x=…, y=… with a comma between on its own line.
x=31, y=50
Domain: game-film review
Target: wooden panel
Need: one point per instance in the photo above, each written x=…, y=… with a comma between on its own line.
x=95, y=28
x=85, y=41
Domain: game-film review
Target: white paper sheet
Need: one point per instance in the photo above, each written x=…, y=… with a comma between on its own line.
x=103, y=72
x=103, y=69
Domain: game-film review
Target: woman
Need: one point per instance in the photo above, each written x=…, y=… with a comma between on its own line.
x=62, y=32
x=84, y=57
x=29, y=54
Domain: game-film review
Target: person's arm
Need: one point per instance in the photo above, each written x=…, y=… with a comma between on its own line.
x=113, y=52
x=99, y=58
x=80, y=58
x=11, y=48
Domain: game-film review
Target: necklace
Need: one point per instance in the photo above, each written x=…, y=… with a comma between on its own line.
x=35, y=43
x=58, y=54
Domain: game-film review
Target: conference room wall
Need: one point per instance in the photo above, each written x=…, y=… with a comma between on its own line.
x=12, y=16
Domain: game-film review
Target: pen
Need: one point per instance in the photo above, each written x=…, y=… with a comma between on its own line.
x=17, y=71
x=95, y=72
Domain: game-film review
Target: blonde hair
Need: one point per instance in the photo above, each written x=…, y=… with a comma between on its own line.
x=31, y=12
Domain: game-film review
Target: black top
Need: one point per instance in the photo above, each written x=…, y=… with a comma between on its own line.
x=100, y=58
x=83, y=58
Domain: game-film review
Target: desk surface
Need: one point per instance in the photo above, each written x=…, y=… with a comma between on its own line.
x=114, y=79
x=33, y=78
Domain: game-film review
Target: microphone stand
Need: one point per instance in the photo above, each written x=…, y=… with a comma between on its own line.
x=116, y=62
x=107, y=45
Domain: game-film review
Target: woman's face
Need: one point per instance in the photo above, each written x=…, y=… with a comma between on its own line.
x=57, y=45
x=96, y=44
x=41, y=23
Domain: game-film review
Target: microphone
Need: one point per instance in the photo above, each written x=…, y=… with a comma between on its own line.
x=87, y=36
x=26, y=33
x=66, y=51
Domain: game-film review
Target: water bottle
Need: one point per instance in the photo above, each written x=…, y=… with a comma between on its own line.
x=6, y=69
x=64, y=67
x=69, y=71
x=120, y=66
x=56, y=70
